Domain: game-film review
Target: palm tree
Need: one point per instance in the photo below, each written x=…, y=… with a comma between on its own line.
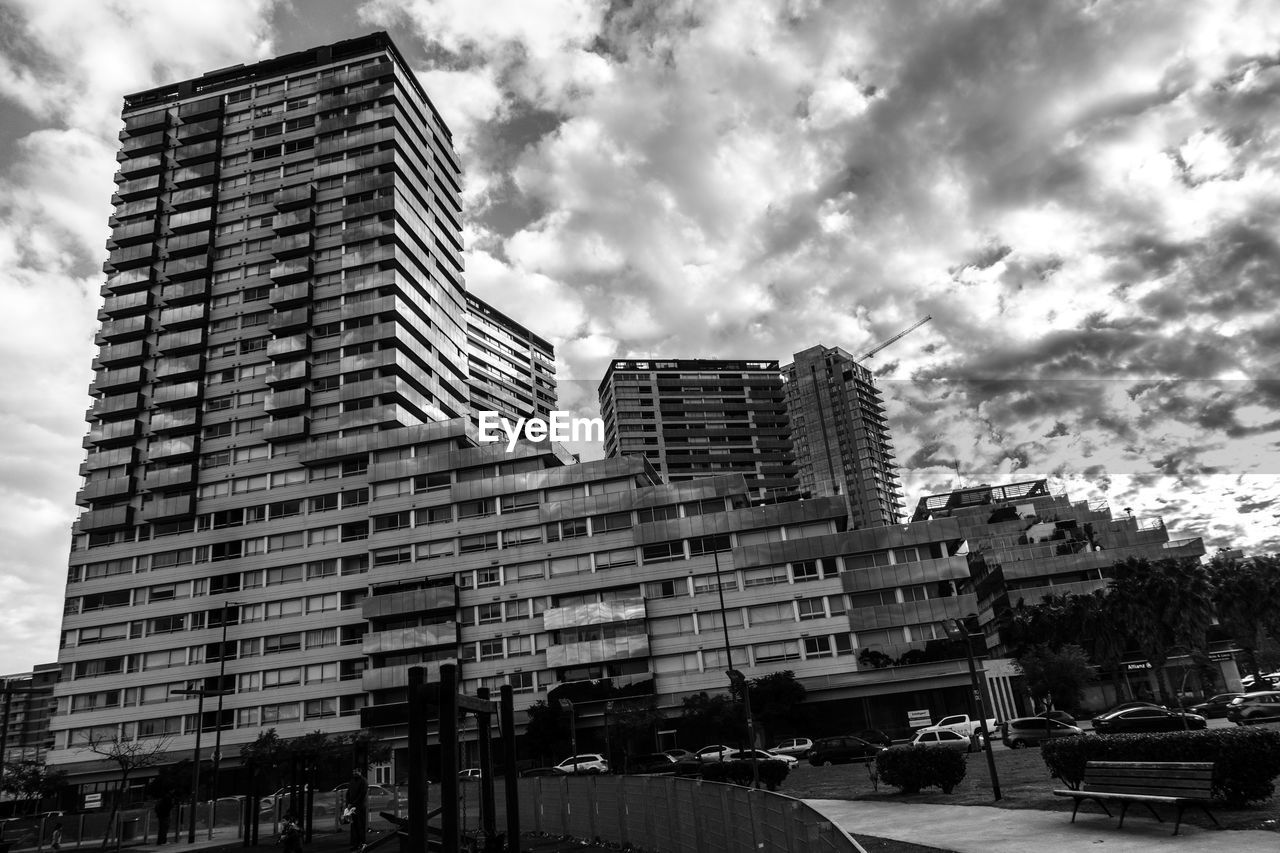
x=1166, y=605
x=1247, y=597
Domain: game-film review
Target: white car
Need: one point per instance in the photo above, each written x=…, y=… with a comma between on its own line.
x=715, y=752
x=591, y=762
x=797, y=746
x=762, y=755
x=944, y=739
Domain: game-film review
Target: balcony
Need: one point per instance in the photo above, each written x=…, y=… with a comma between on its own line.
x=195, y=266
x=302, y=195
x=287, y=429
x=191, y=175
x=134, y=167
x=404, y=639
x=139, y=187
x=141, y=123
x=172, y=448
x=173, y=343
x=290, y=295
x=415, y=601
x=143, y=143
x=182, y=316
x=125, y=257
x=203, y=108
x=279, y=402
x=175, y=393
x=188, y=220
x=291, y=270
x=284, y=349
x=393, y=677
x=126, y=328
x=196, y=152
x=170, y=478
x=197, y=130
x=106, y=519
x=118, y=355
x=174, y=420
x=117, y=405
x=101, y=489
x=116, y=306
x=195, y=242
x=117, y=380
x=598, y=651
x=291, y=245
x=288, y=373
x=133, y=233
x=186, y=292
x=113, y=432
x=173, y=368
x=162, y=509
x=595, y=613
x=293, y=222
x=128, y=281
x=289, y=321
x=96, y=461
x=192, y=197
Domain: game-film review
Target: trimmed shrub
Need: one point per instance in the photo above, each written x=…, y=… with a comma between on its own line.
x=1245, y=760
x=910, y=768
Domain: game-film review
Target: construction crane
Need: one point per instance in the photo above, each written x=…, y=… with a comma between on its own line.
x=868, y=353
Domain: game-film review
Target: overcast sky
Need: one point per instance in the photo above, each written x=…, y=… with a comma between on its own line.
x=1083, y=195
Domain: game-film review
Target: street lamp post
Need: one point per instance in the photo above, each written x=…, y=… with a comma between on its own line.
x=195, y=772
x=962, y=632
x=736, y=678
x=217, y=730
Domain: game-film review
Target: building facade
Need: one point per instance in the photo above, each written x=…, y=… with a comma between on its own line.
x=511, y=370
x=28, y=707
x=1027, y=541
x=840, y=435
x=694, y=418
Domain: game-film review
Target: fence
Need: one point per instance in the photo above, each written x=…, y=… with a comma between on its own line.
x=677, y=815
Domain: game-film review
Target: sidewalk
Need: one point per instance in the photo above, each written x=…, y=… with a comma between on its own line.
x=987, y=829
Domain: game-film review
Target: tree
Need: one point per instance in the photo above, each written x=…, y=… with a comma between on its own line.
x=775, y=699
x=548, y=729
x=1246, y=595
x=32, y=781
x=874, y=659
x=1168, y=606
x=709, y=719
x=128, y=756
x=1056, y=677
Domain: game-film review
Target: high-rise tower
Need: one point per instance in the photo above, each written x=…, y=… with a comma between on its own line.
x=840, y=435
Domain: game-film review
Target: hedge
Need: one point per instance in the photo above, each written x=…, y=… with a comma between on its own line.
x=911, y=768
x=738, y=772
x=1245, y=760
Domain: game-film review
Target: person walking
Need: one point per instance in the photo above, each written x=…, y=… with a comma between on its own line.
x=163, y=807
x=55, y=840
x=290, y=833
x=358, y=802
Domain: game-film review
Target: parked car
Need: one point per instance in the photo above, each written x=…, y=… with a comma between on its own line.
x=761, y=755
x=1124, y=706
x=1033, y=731
x=715, y=752
x=874, y=736
x=838, y=750
x=1214, y=706
x=677, y=753
x=378, y=798
x=651, y=763
x=471, y=774
x=1259, y=707
x=944, y=739
x=796, y=746
x=539, y=771
x=1060, y=716
x=1146, y=719
x=590, y=762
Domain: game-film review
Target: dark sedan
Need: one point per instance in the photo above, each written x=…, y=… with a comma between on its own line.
x=1215, y=706
x=837, y=750
x=1146, y=720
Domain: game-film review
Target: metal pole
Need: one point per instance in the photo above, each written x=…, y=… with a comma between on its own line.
x=980, y=705
x=195, y=772
x=728, y=662
x=450, y=841
x=217, y=732
x=417, y=750
x=507, y=725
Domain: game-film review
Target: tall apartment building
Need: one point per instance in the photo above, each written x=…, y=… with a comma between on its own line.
x=700, y=417
x=28, y=706
x=840, y=436
x=512, y=371
x=1027, y=541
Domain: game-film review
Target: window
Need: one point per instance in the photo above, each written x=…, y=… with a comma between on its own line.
x=490, y=649
x=393, y=556
x=393, y=521
x=611, y=521
x=771, y=652
x=666, y=589
x=432, y=550
x=817, y=647
x=812, y=570
x=431, y=482
x=521, y=535
x=812, y=608
x=478, y=542
x=522, y=500
x=764, y=576
x=476, y=509
x=663, y=552
x=709, y=544
x=435, y=515
x=281, y=643
x=615, y=559
x=488, y=613
x=657, y=513
x=572, y=529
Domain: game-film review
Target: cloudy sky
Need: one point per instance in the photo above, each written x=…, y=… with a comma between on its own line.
x=1083, y=195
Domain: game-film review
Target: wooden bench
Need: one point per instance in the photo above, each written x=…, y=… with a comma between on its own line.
x=1177, y=783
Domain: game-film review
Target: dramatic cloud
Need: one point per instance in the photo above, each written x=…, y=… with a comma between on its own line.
x=1083, y=195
